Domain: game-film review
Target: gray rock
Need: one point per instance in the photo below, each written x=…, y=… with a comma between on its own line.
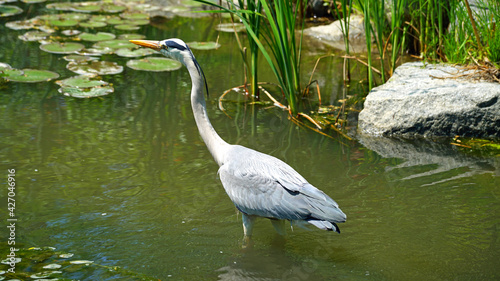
x=432, y=100
x=332, y=35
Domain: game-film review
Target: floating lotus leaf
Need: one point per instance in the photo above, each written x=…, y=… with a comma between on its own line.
x=131, y=36
x=128, y=53
x=203, y=45
x=230, y=27
x=4, y=65
x=99, y=18
x=63, y=6
x=87, y=7
x=63, y=23
x=93, y=24
x=20, y=24
x=71, y=32
x=126, y=27
x=95, y=67
x=8, y=10
x=154, y=64
x=6, y=72
x=134, y=16
x=114, y=20
x=81, y=81
x=33, y=36
x=78, y=58
x=7, y=1
x=32, y=76
x=137, y=22
x=74, y=16
x=94, y=37
x=97, y=51
x=86, y=92
x=47, y=17
x=61, y=48
x=115, y=44
x=113, y=8
x=33, y=1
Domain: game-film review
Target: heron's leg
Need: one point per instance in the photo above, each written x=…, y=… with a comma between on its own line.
x=248, y=222
x=279, y=226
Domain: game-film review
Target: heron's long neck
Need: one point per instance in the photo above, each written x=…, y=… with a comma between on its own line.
x=215, y=144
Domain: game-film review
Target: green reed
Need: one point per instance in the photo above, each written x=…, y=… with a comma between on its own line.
x=278, y=31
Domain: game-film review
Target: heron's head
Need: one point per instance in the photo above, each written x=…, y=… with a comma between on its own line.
x=175, y=49
x=171, y=48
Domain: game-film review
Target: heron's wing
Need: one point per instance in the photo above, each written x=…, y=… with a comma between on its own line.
x=262, y=185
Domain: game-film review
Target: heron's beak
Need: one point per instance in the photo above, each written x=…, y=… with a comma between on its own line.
x=147, y=43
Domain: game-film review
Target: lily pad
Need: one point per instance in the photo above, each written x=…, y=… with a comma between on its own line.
x=115, y=20
x=74, y=16
x=133, y=36
x=33, y=1
x=78, y=58
x=8, y=10
x=155, y=64
x=20, y=24
x=62, y=6
x=86, y=92
x=137, y=22
x=33, y=36
x=203, y=45
x=87, y=7
x=71, y=32
x=115, y=44
x=99, y=36
x=31, y=75
x=134, y=16
x=128, y=53
x=61, y=48
x=81, y=81
x=96, y=51
x=126, y=27
x=63, y=22
x=95, y=67
x=230, y=27
x=4, y=65
x=93, y=24
x=113, y=8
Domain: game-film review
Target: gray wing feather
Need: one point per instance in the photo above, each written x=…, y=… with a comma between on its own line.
x=262, y=185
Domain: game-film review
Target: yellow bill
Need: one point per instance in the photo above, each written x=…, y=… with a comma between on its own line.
x=147, y=43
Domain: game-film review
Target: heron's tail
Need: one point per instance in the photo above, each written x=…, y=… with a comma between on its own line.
x=325, y=225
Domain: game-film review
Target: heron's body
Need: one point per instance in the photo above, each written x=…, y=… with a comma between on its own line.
x=259, y=185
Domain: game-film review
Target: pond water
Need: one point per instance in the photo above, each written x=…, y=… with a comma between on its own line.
x=125, y=180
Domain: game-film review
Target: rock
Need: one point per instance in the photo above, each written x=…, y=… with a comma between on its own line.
x=332, y=35
x=432, y=100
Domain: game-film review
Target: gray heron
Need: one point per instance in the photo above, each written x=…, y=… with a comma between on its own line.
x=259, y=185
